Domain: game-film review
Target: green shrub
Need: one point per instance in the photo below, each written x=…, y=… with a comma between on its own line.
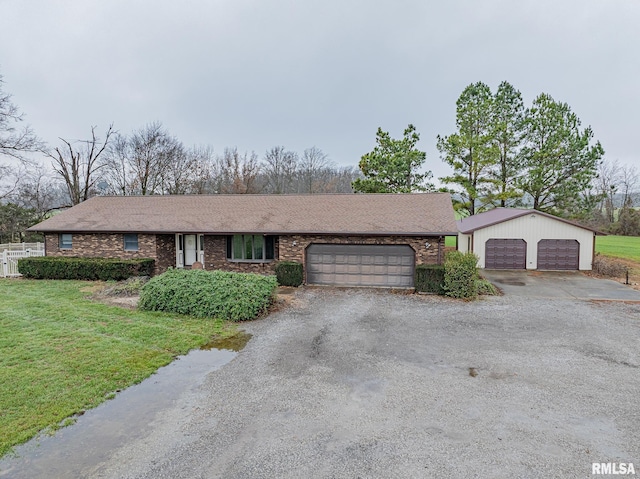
x=209, y=294
x=430, y=278
x=64, y=267
x=485, y=288
x=461, y=275
x=289, y=273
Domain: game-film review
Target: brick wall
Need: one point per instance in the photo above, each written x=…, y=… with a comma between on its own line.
x=215, y=250
x=433, y=255
x=165, y=252
x=101, y=245
x=162, y=248
x=215, y=257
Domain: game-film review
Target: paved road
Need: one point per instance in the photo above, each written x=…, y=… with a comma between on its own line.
x=560, y=284
x=360, y=383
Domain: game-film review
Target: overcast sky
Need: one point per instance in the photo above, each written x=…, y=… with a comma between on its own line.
x=257, y=73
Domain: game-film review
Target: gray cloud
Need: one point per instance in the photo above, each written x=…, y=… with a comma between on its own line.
x=255, y=74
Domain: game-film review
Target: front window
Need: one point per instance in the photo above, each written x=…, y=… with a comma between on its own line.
x=250, y=248
x=66, y=241
x=131, y=242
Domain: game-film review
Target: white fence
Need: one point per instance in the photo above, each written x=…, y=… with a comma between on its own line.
x=12, y=252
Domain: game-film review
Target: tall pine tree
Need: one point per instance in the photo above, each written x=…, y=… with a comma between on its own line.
x=559, y=156
x=507, y=124
x=471, y=151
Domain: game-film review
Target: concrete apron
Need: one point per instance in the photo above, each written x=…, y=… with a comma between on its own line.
x=559, y=284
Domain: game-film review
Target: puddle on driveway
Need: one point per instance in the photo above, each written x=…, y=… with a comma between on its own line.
x=100, y=431
x=233, y=343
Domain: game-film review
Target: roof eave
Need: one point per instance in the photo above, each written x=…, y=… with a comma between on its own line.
x=205, y=232
x=526, y=212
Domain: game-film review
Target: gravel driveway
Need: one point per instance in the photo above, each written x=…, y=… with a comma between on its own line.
x=361, y=383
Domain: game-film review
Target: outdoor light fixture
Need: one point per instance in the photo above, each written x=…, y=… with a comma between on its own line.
x=294, y=243
x=427, y=245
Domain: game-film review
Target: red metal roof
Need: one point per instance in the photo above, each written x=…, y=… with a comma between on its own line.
x=500, y=215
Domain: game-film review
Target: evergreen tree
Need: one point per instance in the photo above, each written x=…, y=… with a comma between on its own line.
x=393, y=165
x=559, y=158
x=471, y=151
x=507, y=124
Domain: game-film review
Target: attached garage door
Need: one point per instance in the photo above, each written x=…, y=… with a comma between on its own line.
x=505, y=254
x=360, y=265
x=558, y=254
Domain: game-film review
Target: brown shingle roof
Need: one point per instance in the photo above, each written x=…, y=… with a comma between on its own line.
x=500, y=215
x=402, y=214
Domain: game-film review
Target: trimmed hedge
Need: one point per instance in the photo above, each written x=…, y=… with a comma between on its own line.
x=289, y=273
x=461, y=275
x=66, y=267
x=209, y=294
x=430, y=278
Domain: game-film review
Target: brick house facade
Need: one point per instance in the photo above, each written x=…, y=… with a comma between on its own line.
x=162, y=248
x=363, y=239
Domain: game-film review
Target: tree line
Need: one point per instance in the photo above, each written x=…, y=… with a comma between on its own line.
x=151, y=161
x=504, y=154
x=501, y=154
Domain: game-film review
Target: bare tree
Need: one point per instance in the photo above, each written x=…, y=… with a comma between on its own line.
x=312, y=170
x=607, y=184
x=178, y=172
x=150, y=161
x=78, y=167
x=629, y=184
x=237, y=173
x=116, y=172
x=39, y=192
x=10, y=177
x=152, y=150
x=14, y=141
x=280, y=168
x=344, y=177
x=15, y=145
x=203, y=167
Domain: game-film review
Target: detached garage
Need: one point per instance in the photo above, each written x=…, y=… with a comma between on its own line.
x=511, y=238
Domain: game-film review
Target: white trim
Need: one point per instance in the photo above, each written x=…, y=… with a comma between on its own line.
x=200, y=248
x=179, y=252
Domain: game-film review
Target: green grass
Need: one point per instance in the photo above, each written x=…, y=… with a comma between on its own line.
x=627, y=247
x=450, y=240
x=61, y=353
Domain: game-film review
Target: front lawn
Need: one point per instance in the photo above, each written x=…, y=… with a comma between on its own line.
x=61, y=353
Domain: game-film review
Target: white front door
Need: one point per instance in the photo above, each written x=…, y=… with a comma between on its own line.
x=190, y=249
